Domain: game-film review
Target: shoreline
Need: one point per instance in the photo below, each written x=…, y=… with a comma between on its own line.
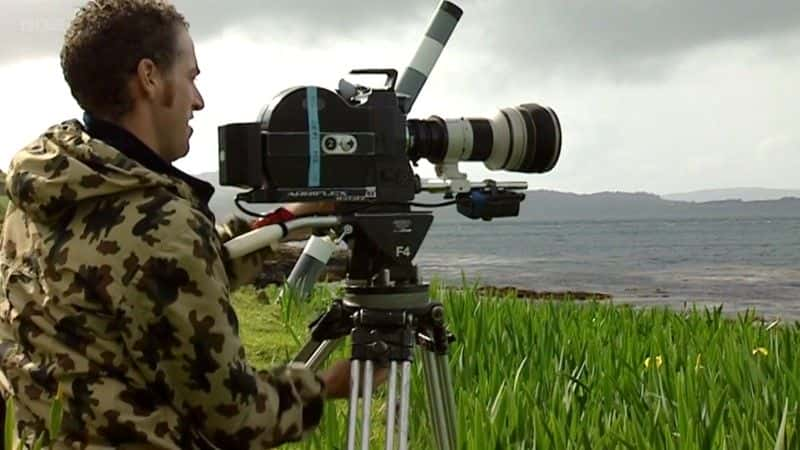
x=764, y=310
x=277, y=268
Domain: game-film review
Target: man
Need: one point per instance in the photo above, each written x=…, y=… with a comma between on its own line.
x=115, y=282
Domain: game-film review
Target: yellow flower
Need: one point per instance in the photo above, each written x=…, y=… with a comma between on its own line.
x=657, y=361
x=760, y=351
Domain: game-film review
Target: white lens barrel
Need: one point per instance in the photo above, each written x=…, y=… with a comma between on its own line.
x=501, y=140
x=459, y=140
x=525, y=138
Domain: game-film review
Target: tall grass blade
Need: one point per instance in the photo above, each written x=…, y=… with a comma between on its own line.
x=9, y=427
x=780, y=439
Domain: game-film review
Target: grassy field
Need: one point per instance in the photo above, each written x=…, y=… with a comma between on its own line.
x=567, y=375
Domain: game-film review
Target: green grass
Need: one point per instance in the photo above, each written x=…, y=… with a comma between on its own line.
x=570, y=375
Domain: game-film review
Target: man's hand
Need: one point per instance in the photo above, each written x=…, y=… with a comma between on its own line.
x=292, y=211
x=337, y=379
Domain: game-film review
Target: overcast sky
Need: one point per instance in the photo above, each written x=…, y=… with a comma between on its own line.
x=653, y=95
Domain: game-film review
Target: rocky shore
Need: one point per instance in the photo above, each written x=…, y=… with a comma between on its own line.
x=278, y=268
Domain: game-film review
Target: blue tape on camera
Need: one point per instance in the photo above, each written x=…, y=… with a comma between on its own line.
x=313, y=137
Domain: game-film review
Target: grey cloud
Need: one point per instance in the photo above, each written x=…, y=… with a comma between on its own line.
x=33, y=28
x=634, y=37
x=636, y=29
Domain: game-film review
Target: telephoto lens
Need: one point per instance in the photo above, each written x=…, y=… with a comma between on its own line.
x=526, y=139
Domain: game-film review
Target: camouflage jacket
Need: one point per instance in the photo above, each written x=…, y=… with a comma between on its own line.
x=115, y=289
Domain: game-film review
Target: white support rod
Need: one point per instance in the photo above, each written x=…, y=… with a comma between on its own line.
x=262, y=237
x=439, y=186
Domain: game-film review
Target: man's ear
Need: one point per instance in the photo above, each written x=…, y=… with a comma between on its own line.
x=148, y=78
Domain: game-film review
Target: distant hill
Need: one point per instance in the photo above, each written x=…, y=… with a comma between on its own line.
x=745, y=194
x=543, y=205
x=549, y=205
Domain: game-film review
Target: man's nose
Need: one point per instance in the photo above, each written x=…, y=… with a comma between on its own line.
x=198, y=101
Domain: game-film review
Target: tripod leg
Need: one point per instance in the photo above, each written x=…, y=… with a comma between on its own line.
x=448, y=398
x=308, y=350
x=314, y=353
x=405, y=399
x=327, y=333
x=440, y=402
x=391, y=406
x=355, y=383
x=435, y=401
x=369, y=371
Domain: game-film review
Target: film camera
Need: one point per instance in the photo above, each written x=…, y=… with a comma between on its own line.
x=356, y=146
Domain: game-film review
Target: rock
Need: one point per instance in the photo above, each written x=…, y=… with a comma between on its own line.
x=503, y=291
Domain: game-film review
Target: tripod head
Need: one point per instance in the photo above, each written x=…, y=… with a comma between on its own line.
x=383, y=246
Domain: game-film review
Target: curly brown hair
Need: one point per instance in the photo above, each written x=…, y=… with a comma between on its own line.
x=104, y=44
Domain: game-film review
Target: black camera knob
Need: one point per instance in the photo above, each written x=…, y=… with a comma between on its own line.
x=330, y=143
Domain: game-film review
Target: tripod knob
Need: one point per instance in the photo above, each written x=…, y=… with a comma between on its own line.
x=379, y=347
x=437, y=314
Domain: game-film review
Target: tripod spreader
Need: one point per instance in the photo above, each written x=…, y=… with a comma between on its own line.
x=383, y=336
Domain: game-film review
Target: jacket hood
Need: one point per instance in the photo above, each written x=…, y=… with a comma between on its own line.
x=65, y=166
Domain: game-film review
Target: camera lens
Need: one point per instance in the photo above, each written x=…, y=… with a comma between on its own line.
x=526, y=138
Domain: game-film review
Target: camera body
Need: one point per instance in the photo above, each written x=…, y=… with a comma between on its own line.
x=313, y=144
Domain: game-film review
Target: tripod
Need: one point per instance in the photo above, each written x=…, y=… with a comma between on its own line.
x=388, y=315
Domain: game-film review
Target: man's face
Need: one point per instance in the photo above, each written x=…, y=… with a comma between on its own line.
x=179, y=99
